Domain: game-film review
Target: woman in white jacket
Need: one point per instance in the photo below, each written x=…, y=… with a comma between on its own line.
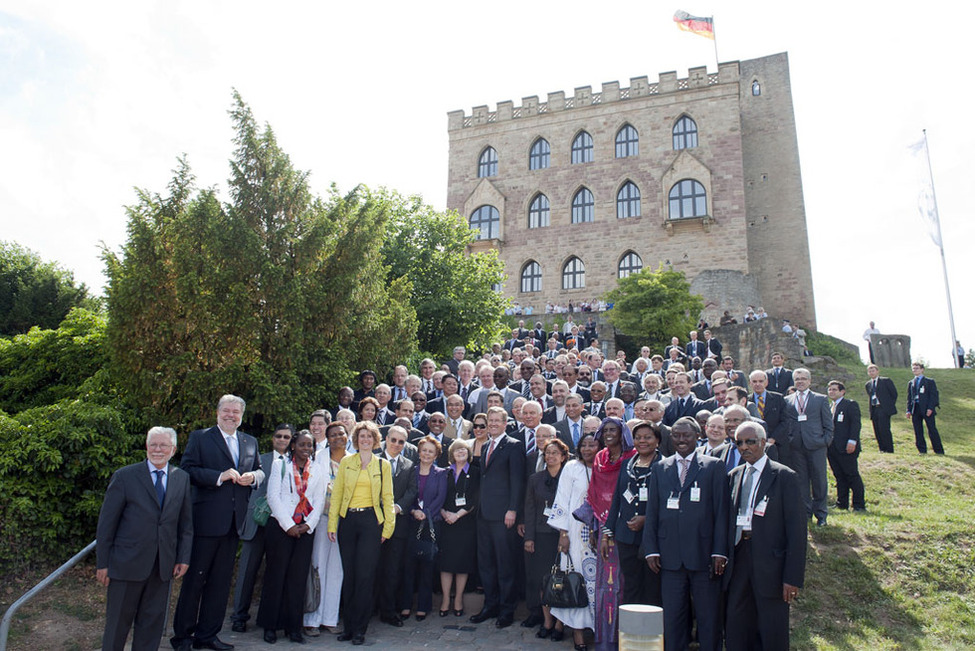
x=296, y=495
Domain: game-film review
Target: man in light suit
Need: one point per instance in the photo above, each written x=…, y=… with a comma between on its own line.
x=685, y=538
x=813, y=432
x=502, y=497
x=145, y=534
x=768, y=541
x=844, y=451
x=458, y=427
x=883, y=405
x=922, y=403
x=252, y=548
x=390, y=576
x=224, y=468
x=779, y=377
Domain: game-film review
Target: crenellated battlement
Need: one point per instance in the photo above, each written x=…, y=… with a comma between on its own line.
x=667, y=82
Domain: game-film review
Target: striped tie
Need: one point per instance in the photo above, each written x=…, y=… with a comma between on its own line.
x=761, y=406
x=684, y=463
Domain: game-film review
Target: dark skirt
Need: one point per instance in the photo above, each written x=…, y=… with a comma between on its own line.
x=458, y=545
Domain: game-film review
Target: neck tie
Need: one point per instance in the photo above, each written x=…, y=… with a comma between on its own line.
x=743, y=499
x=463, y=393
x=732, y=459
x=575, y=434
x=232, y=446
x=530, y=440
x=160, y=488
x=526, y=389
x=761, y=406
x=487, y=457
x=684, y=463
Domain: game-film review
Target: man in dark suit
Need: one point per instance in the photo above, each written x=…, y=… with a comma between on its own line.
x=734, y=376
x=695, y=347
x=683, y=402
x=813, y=432
x=702, y=389
x=596, y=406
x=252, y=548
x=224, y=468
x=502, y=497
x=539, y=334
x=779, y=377
x=922, y=403
x=844, y=451
x=145, y=534
x=571, y=376
x=569, y=429
x=712, y=346
x=768, y=559
x=883, y=405
x=771, y=408
x=719, y=395
x=685, y=538
x=390, y=576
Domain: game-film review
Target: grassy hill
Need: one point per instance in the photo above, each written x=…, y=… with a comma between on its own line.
x=901, y=576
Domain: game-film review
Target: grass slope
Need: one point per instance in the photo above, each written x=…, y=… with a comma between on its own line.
x=900, y=576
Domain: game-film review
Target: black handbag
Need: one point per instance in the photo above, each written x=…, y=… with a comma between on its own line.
x=564, y=589
x=425, y=549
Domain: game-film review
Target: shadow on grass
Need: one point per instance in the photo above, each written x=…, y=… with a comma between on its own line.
x=966, y=460
x=844, y=604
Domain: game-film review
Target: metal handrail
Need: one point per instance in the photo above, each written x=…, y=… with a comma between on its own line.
x=50, y=578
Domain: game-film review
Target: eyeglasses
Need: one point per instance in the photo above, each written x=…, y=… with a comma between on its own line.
x=479, y=426
x=283, y=437
x=749, y=442
x=395, y=441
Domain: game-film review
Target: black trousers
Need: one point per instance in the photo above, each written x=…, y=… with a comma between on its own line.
x=285, y=579
x=251, y=558
x=538, y=565
x=753, y=622
x=678, y=587
x=497, y=566
x=847, y=474
x=881, y=430
x=360, y=540
x=390, y=577
x=920, y=420
x=139, y=602
x=206, y=588
x=640, y=585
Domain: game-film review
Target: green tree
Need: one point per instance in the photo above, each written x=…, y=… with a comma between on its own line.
x=277, y=295
x=653, y=306
x=34, y=292
x=452, y=289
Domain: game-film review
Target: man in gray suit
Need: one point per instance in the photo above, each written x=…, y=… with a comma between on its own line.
x=813, y=434
x=145, y=535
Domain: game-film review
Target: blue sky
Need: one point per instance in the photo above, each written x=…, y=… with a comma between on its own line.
x=97, y=99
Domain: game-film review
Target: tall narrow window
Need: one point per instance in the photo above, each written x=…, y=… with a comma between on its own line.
x=540, y=155
x=487, y=164
x=531, y=277
x=630, y=263
x=627, y=142
x=685, y=133
x=538, y=212
x=582, y=206
x=688, y=199
x=573, y=274
x=628, y=201
x=582, y=148
x=486, y=220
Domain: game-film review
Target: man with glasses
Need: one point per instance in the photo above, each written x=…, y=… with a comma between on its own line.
x=814, y=432
x=768, y=560
x=391, y=564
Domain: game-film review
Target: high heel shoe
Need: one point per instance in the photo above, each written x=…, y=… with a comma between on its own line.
x=444, y=613
x=458, y=613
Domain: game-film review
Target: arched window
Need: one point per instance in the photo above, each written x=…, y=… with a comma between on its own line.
x=582, y=206
x=538, y=212
x=685, y=133
x=531, y=277
x=582, y=148
x=540, y=155
x=487, y=164
x=487, y=222
x=627, y=142
x=688, y=199
x=628, y=201
x=573, y=274
x=630, y=263
x=756, y=88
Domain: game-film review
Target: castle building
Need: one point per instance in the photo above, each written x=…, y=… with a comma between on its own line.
x=699, y=174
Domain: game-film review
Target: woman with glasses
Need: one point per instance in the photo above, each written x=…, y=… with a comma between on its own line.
x=325, y=554
x=458, y=534
x=431, y=491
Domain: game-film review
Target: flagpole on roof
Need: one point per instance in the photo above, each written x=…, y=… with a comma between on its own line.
x=714, y=33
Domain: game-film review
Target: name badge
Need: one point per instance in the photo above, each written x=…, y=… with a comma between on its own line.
x=761, y=506
x=695, y=493
x=460, y=500
x=839, y=418
x=628, y=495
x=644, y=494
x=744, y=521
x=802, y=418
x=547, y=512
x=673, y=503
x=921, y=390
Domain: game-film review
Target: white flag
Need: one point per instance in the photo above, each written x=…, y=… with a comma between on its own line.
x=925, y=198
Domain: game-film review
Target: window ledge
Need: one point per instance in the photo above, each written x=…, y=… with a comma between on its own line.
x=674, y=225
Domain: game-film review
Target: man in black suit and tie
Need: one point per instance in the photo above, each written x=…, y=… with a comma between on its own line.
x=922, y=403
x=597, y=404
x=683, y=402
x=145, y=534
x=844, y=451
x=712, y=346
x=390, y=576
x=569, y=429
x=695, y=347
x=702, y=389
x=502, y=497
x=224, y=468
x=768, y=536
x=883, y=404
x=611, y=373
x=779, y=377
x=685, y=538
x=771, y=408
x=734, y=376
x=813, y=432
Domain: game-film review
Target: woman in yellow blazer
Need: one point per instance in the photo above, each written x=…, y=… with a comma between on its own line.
x=361, y=518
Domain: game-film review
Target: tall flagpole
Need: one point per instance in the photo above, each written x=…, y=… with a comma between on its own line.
x=941, y=247
x=714, y=34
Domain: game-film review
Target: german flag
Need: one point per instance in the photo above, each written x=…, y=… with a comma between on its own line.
x=700, y=25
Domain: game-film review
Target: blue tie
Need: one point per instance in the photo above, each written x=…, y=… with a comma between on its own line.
x=160, y=488
x=575, y=434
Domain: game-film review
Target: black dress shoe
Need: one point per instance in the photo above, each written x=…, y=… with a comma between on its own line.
x=297, y=638
x=392, y=620
x=483, y=616
x=214, y=644
x=344, y=636
x=239, y=627
x=543, y=633
x=532, y=620
x=421, y=616
x=504, y=621
x=270, y=636
x=821, y=522
x=557, y=635
x=359, y=640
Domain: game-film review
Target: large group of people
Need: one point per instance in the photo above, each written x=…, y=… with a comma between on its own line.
x=673, y=481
